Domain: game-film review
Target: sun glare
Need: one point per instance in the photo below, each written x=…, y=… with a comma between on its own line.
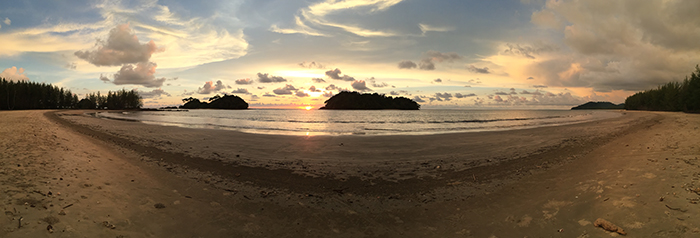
x=308, y=107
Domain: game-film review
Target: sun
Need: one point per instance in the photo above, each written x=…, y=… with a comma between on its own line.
x=308, y=107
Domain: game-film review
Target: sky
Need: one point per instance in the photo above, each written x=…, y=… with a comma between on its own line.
x=294, y=53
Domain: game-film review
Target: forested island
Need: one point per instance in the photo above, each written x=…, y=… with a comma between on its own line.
x=216, y=102
x=598, y=105
x=673, y=96
x=357, y=101
x=22, y=95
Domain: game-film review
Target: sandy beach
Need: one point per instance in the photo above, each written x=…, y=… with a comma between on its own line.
x=68, y=174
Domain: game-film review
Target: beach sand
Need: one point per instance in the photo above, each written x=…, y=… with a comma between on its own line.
x=91, y=177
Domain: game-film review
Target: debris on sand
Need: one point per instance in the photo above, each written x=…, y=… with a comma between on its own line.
x=109, y=225
x=159, y=205
x=608, y=226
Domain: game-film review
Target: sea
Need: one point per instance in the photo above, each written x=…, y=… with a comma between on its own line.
x=362, y=122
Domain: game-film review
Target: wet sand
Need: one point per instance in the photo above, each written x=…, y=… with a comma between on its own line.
x=157, y=181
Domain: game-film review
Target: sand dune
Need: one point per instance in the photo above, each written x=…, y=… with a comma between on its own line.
x=89, y=177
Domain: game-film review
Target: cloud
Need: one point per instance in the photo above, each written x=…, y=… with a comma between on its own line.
x=312, y=65
x=244, y=81
x=484, y=70
x=318, y=80
x=608, y=47
x=155, y=93
x=142, y=74
x=105, y=79
x=459, y=95
x=332, y=87
x=265, y=78
x=429, y=59
x=240, y=91
x=394, y=93
x=121, y=47
x=437, y=80
x=407, y=64
x=418, y=99
x=328, y=94
x=261, y=87
x=374, y=83
x=210, y=87
x=301, y=94
x=269, y=95
x=501, y=93
x=314, y=89
x=360, y=85
x=7, y=21
x=440, y=57
x=425, y=28
x=14, y=74
x=498, y=98
x=539, y=86
x=335, y=74
x=71, y=66
x=530, y=78
x=529, y=51
x=314, y=18
x=443, y=96
x=426, y=64
x=286, y=90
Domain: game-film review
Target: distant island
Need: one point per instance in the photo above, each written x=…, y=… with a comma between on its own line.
x=357, y=101
x=599, y=105
x=216, y=102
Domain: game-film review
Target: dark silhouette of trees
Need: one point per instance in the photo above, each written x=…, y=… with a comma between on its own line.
x=599, y=105
x=216, y=102
x=356, y=100
x=119, y=100
x=21, y=95
x=673, y=96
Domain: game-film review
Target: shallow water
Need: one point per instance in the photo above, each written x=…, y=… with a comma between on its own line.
x=362, y=122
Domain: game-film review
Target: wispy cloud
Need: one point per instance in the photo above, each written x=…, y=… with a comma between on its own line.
x=425, y=28
x=318, y=14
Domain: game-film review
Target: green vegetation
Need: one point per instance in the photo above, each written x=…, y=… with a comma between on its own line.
x=355, y=100
x=599, y=105
x=30, y=95
x=673, y=96
x=23, y=95
x=216, y=102
x=118, y=100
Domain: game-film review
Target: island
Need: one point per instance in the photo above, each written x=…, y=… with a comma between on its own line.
x=357, y=101
x=216, y=102
x=599, y=105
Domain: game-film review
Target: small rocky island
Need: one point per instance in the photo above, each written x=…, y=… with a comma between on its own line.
x=216, y=102
x=598, y=105
x=374, y=101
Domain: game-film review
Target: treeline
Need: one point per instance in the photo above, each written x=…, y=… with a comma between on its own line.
x=118, y=100
x=673, y=96
x=215, y=102
x=22, y=95
x=30, y=95
x=358, y=101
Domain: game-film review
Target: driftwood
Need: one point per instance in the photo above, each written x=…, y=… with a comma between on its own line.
x=608, y=226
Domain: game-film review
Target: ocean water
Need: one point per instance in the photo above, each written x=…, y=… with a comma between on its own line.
x=362, y=122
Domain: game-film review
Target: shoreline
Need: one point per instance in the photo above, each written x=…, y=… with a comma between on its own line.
x=469, y=127
x=542, y=182
x=312, y=165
